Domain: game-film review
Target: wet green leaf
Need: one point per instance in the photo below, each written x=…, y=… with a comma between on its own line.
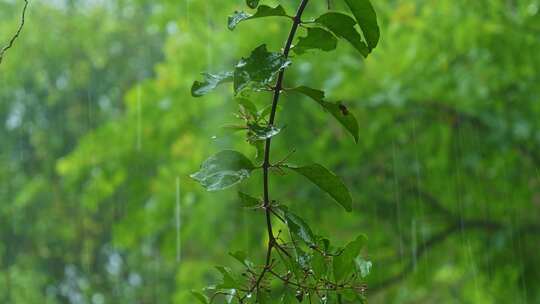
x=200, y=297
x=248, y=107
x=338, y=110
x=326, y=181
x=252, y=3
x=223, y=170
x=259, y=69
x=344, y=264
x=288, y=297
x=228, y=280
x=319, y=264
x=241, y=257
x=262, y=11
x=258, y=132
x=363, y=266
x=343, y=26
x=317, y=38
x=300, y=228
x=210, y=82
x=248, y=201
x=367, y=19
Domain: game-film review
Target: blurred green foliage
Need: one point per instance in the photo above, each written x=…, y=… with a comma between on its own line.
x=98, y=127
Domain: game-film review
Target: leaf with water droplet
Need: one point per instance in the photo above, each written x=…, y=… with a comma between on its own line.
x=326, y=181
x=344, y=263
x=252, y=3
x=258, y=132
x=259, y=69
x=262, y=11
x=223, y=170
x=363, y=266
x=300, y=228
x=367, y=19
x=337, y=109
x=210, y=82
x=317, y=38
x=343, y=26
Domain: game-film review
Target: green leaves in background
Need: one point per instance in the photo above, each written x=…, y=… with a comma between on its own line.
x=367, y=19
x=252, y=3
x=344, y=263
x=210, y=82
x=343, y=26
x=299, y=228
x=258, y=70
x=262, y=11
x=338, y=110
x=223, y=170
x=327, y=181
x=317, y=38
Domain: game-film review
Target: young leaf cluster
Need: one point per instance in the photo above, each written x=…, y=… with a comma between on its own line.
x=300, y=266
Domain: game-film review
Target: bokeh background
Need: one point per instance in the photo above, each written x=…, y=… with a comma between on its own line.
x=98, y=134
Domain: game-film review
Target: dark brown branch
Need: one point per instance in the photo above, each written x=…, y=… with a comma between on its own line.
x=441, y=237
x=17, y=33
x=266, y=163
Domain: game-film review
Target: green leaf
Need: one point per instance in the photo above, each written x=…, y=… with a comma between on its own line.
x=299, y=228
x=248, y=107
x=262, y=11
x=258, y=132
x=326, y=181
x=338, y=110
x=241, y=257
x=228, y=281
x=252, y=3
x=292, y=265
x=363, y=266
x=343, y=26
x=367, y=19
x=223, y=170
x=248, y=201
x=259, y=69
x=288, y=297
x=317, y=38
x=344, y=264
x=319, y=264
x=210, y=82
x=201, y=297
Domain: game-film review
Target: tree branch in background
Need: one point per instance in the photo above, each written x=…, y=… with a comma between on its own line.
x=440, y=237
x=17, y=33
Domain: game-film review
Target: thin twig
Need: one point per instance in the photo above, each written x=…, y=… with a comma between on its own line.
x=266, y=163
x=17, y=33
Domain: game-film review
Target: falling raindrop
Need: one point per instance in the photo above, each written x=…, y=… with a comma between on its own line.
x=139, y=123
x=177, y=220
x=414, y=253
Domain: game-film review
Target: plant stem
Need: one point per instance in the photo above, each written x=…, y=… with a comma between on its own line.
x=266, y=164
x=17, y=33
